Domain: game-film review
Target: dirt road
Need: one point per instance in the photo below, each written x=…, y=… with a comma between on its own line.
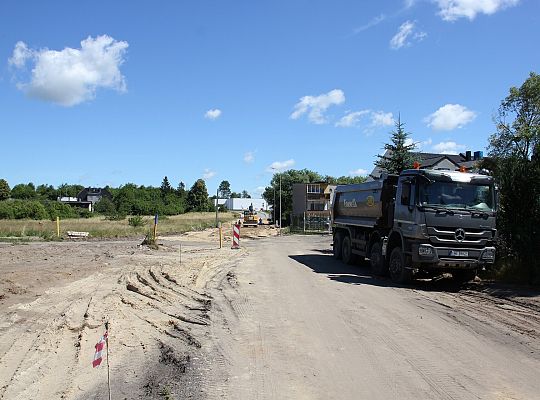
x=298, y=325
x=278, y=319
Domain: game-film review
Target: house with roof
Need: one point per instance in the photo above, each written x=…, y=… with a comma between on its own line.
x=448, y=162
x=87, y=198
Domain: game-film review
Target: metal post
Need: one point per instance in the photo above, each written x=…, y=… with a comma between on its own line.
x=220, y=235
x=304, y=222
x=108, y=367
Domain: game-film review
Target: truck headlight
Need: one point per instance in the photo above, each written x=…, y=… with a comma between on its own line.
x=488, y=254
x=425, y=250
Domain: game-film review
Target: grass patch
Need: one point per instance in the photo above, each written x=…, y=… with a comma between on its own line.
x=100, y=227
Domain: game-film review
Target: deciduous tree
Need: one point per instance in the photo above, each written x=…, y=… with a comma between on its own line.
x=197, y=199
x=515, y=160
x=5, y=191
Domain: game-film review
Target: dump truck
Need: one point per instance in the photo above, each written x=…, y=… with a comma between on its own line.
x=420, y=223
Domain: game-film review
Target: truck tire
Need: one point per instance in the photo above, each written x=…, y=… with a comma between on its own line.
x=397, y=268
x=338, y=240
x=376, y=260
x=346, y=251
x=463, y=275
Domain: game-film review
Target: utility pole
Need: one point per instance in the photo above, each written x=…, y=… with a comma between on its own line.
x=279, y=204
x=279, y=219
x=217, y=206
x=274, y=206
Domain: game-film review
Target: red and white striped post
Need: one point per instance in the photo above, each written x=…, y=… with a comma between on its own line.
x=236, y=237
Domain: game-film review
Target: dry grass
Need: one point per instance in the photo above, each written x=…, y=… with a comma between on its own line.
x=100, y=227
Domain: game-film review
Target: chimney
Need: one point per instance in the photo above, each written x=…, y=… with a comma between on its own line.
x=468, y=155
x=478, y=155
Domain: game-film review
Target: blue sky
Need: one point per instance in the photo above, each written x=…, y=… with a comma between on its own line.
x=103, y=93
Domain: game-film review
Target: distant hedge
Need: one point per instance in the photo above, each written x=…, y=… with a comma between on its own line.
x=34, y=209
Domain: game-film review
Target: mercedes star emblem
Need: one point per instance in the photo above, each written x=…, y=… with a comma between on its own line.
x=459, y=235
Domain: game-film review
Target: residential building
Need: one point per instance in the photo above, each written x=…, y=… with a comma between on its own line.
x=451, y=162
x=312, y=198
x=86, y=198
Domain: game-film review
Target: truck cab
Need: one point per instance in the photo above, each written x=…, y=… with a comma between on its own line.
x=446, y=220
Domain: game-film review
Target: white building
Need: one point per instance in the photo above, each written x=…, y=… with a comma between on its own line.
x=237, y=204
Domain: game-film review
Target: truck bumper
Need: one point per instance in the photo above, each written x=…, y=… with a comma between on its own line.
x=426, y=255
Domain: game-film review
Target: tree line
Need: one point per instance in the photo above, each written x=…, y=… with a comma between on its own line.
x=28, y=201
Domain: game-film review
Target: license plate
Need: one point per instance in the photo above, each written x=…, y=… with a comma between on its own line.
x=459, y=253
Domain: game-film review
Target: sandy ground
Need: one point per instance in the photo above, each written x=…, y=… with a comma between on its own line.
x=298, y=324
x=277, y=319
x=55, y=298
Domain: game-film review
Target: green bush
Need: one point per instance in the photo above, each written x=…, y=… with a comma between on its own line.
x=117, y=216
x=105, y=206
x=30, y=209
x=136, y=221
x=6, y=210
x=62, y=210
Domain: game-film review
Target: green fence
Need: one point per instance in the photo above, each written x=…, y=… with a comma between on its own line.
x=310, y=223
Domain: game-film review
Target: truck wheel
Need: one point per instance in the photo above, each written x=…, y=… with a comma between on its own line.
x=463, y=275
x=338, y=239
x=346, y=252
x=376, y=260
x=398, y=272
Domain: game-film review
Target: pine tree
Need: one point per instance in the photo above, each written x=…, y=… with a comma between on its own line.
x=224, y=190
x=166, y=187
x=398, y=155
x=181, y=190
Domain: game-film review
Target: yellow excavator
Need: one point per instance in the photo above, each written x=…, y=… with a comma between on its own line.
x=251, y=218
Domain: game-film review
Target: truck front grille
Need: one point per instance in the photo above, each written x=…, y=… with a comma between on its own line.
x=447, y=236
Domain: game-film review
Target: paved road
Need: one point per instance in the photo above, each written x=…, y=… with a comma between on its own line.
x=295, y=324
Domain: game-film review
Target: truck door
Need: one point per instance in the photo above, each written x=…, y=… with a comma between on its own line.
x=404, y=217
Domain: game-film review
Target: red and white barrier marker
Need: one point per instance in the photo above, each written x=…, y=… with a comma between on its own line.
x=236, y=237
x=99, y=350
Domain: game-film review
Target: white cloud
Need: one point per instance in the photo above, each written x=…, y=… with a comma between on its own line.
x=72, y=76
x=208, y=174
x=450, y=117
x=351, y=119
x=419, y=145
x=214, y=113
x=249, y=157
x=449, y=147
x=451, y=10
x=359, y=172
x=380, y=118
x=406, y=34
x=280, y=165
x=373, y=22
x=316, y=106
x=409, y=3
x=259, y=190
x=21, y=54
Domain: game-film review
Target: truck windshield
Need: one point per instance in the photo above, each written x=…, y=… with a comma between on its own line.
x=457, y=195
